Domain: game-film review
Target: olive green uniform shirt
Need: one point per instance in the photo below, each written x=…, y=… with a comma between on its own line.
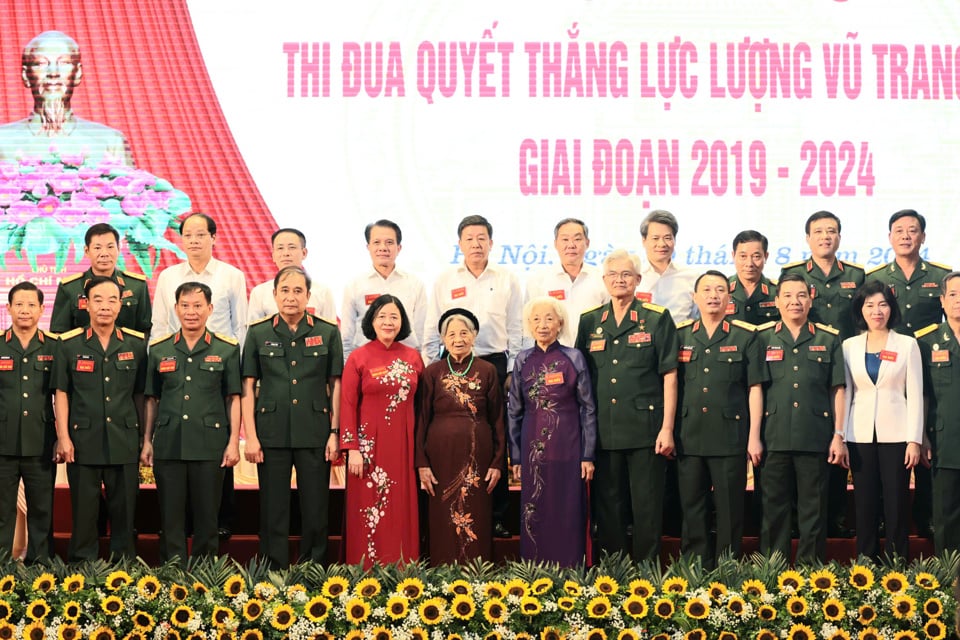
x=27, y=428
x=918, y=297
x=757, y=308
x=798, y=412
x=293, y=406
x=940, y=352
x=832, y=293
x=192, y=387
x=627, y=364
x=70, y=305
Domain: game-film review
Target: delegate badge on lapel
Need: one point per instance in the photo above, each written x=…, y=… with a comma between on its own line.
x=6, y=363
x=369, y=298
x=598, y=345
x=82, y=302
x=125, y=355
x=314, y=341
x=889, y=356
x=640, y=337
x=686, y=354
x=460, y=292
x=85, y=364
x=644, y=296
x=553, y=378
x=731, y=308
x=938, y=355
x=168, y=364
x=558, y=294
x=774, y=354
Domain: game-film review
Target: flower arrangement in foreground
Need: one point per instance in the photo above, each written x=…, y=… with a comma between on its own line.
x=756, y=599
x=48, y=203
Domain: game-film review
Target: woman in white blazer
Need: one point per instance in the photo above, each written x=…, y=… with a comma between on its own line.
x=884, y=419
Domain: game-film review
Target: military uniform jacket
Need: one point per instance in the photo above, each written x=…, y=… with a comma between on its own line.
x=759, y=307
x=918, y=297
x=715, y=375
x=70, y=305
x=103, y=420
x=293, y=407
x=627, y=364
x=26, y=399
x=192, y=419
x=798, y=414
x=940, y=354
x=832, y=294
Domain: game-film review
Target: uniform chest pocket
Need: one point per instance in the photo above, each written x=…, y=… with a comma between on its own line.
x=212, y=367
x=941, y=373
x=731, y=363
x=270, y=354
x=42, y=365
x=819, y=356
x=126, y=365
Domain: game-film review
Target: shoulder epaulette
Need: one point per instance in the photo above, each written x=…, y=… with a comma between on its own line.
x=227, y=339
x=135, y=276
x=767, y=325
x=73, y=333
x=263, y=319
x=930, y=328
x=592, y=309
x=133, y=332
x=882, y=266
x=71, y=278
x=775, y=283
x=685, y=323
x=853, y=264
x=649, y=306
x=52, y=335
x=333, y=322
x=744, y=325
x=166, y=337
x=940, y=265
x=791, y=265
x=827, y=328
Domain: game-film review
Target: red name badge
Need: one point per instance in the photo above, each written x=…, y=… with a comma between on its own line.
x=127, y=294
x=312, y=311
x=940, y=355
x=559, y=294
x=85, y=365
x=818, y=347
x=774, y=355
x=460, y=292
x=848, y=285
x=768, y=304
x=212, y=359
x=685, y=355
x=44, y=358
x=6, y=364
x=554, y=378
x=889, y=356
x=168, y=365
x=81, y=302
x=644, y=296
x=639, y=337
x=929, y=285
x=598, y=345
x=369, y=298
x=314, y=341
x=380, y=372
x=729, y=348
x=126, y=355
x=731, y=308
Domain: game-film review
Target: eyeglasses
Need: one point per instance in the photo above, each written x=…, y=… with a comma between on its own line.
x=621, y=275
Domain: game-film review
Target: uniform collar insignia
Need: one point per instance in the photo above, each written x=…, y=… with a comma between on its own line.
x=809, y=265
x=206, y=337
x=838, y=263
x=696, y=326
x=9, y=335
x=89, y=333
x=726, y=327
x=764, y=289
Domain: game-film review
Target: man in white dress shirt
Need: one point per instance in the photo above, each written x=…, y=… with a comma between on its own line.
x=289, y=250
x=384, y=243
x=661, y=281
x=576, y=284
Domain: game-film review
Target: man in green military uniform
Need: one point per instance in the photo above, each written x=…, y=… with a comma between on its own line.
x=916, y=285
x=99, y=376
x=940, y=350
x=294, y=420
x=721, y=403
x=27, y=430
x=101, y=245
x=631, y=350
x=833, y=284
x=803, y=422
x=193, y=397
x=752, y=295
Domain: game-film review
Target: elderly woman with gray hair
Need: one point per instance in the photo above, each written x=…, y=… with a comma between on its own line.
x=459, y=444
x=553, y=433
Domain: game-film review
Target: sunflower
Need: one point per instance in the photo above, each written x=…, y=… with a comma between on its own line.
x=797, y=606
x=801, y=631
x=934, y=630
x=431, y=610
x=663, y=608
x=7, y=630
x=636, y=607
x=419, y=633
x=767, y=613
x=517, y=587
x=494, y=590
x=599, y=607
x=523, y=636
x=38, y=609
x=596, y=634
x=894, y=582
x=839, y=634
x=100, y=633
x=730, y=635
x=766, y=634
x=823, y=580
x=674, y=584
x=181, y=616
x=356, y=634
x=790, y=580
x=753, y=588
x=335, y=585
x=356, y=610
x=463, y=607
x=234, y=586
x=221, y=616
x=71, y=610
x=926, y=581
x=716, y=590
x=933, y=608
x=460, y=588
x=574, y=589
x=117, y=579
x=252, y=609
x=199, y=588
x=73, y=583
x=552, y=633
x=696, y=609
x=869, y=633
x=265, y=591
x=861, y=577
x=252, y=634
x=628, y=634
x=44, y=583
x=867, y=614
x=695, y=634
x=606, y=585
x=411, y=588
x=111, y=605
x=143, y=621
x=639, y=587
x=7, y=584
x=35, y=631
x=530, y=606
x=318, y=608
x=68, y=632
x=148, y=587
x=397, y=607
x=833, y=609
x=283, y=617
x=540, y=586
x=905, y=635
x=367, y=588
x=296, y=591
x=5, y=610
x=381, y=633
x=903, y=606
x=223, y=634
x=494, y=611
x=178, y=592
x=736, y=605
x=566, y=603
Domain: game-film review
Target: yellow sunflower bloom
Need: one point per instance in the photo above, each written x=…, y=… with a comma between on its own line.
x=833, y=609
x=7, y=584
x=597, y=634
x=599, y=607
x=454, y=636
x=253, y=609
x=866, y=614
x=695, y=634
x=71, y=610
x=766, y=634
x=606, y=585
x=283, y=617
x=790, y=581
x=636, y=607
x=663, y=608
x=530, y=606
x=823, y=580
x=356, y=611
x=381, y=633
x=753, y=588
x=926, y=581
x=861, y=577
x=100, y=633
x=801, y=631
x=335, y=585
x=839, y=634
x=234, y=586
x=143, y=621
x=148, y=587
x=221, y=616
x=265, y=591
x=431, y=611
x=68, y=632
x=7, y=631
x=251, y=634
x=367, y=588
x=674, y=584
x=398, y=607
x=197, y=635
x=935, y=630
x=517, y=587
x=117, y=579
x=318, y=608
x=199, y=588
x=419, y=633
x=797, y=606
x=494, y=590
x=903, y=606
x=572, y=588
x=73, y=583
x=628, y=634
x=295, y=591
x=905, y=635
x=933, y=608
x=112, y=605
x=6, y=610
x=639, y=587
x=494, y=611
x=356, y=634
x=716, y=590
x=869, y=633
x=730, y=635
x=552, y=633
x=894, y=582
x=566, y=603
x=178, y=592
x=696, y=609
x=460, y=587
x=38, y=609
x=766, y=613
x=44, y=583
x=541, y=586
x=736, y=605
x=463, y=607
x=181, y=616
x=523, y=636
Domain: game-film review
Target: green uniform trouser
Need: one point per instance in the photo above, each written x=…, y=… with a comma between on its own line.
x=629, y=480
x=121, y=481
x=38, y=474
x=728, y=477
x=200, y=481
x=946, y=509
x=810, y=472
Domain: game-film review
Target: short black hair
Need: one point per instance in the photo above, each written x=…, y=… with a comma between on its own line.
x=96, y=281
x=26, y=285
x=100, y=229
x=710, y=272
x=793, y=277
x=908, y=213
x=287, y=271
x=367, y=323
x=946, y=280
x=662, y=217
x=193, y=287
x=583, y=225
x=871, y=288
x=211, y=223
x=821, y=215
x=474, y=220
x=750, y=236
x=296, y=232
x=383, y=222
